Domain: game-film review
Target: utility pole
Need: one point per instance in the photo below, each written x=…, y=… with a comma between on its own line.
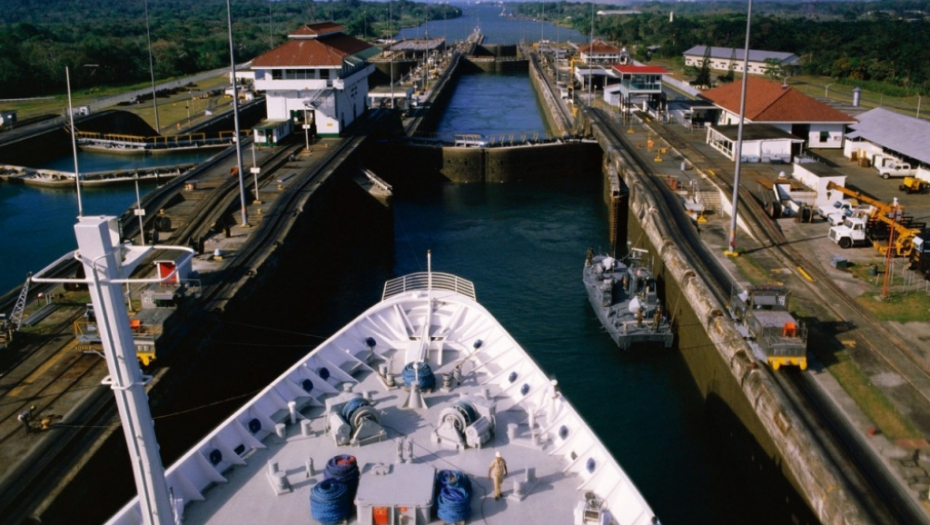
x=148, y=37
x=731, y=251
x=77, y=174
x=232, y=73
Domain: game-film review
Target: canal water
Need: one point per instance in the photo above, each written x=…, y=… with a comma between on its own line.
x=38, y=223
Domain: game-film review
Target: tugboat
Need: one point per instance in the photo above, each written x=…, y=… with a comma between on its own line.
x=624, y=298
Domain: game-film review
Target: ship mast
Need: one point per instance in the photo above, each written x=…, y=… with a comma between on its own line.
x=101, y=261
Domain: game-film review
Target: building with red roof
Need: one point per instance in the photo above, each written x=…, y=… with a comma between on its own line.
x=783, y=107
x=599, y=52
x=317, y=80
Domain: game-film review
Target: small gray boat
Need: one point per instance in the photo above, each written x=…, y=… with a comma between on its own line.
x=623, y=295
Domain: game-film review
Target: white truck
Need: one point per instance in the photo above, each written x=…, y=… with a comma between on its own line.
x=850, y=233
x=838, y=211
x=896, y=169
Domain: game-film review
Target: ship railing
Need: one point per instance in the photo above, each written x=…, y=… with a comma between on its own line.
x=421, y=281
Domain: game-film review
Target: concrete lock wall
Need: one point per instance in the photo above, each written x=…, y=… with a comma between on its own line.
x=766, y=438
x=507, y=164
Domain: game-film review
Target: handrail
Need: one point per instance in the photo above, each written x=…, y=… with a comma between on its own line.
x=421, y=281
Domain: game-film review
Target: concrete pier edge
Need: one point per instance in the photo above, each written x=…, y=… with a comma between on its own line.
x=816, y=476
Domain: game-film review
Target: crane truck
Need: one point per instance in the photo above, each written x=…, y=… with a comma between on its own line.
x=883, y=223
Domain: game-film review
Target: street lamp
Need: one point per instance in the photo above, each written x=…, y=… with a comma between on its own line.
x=148, y=37
x=731, y=250
x=77, y=174
x=232, y=73
x=826, y=90
x=255, y=171
x=139, y=212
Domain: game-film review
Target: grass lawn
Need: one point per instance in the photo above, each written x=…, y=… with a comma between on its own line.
x=829, y=351
x=171, y=110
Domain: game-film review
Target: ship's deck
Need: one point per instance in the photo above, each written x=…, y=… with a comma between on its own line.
x=249, y=497
x=501, y=402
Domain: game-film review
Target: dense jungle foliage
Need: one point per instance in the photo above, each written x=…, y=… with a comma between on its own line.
x=883, y=45
x=104, y=42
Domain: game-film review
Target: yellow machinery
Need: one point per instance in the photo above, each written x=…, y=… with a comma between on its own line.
x=914, y=185
x=902, y=237
x=879, y=207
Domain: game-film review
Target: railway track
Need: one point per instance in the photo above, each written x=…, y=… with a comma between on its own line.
x=867, y=479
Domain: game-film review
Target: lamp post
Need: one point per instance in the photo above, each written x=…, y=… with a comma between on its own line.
x=148, y=38
x=139, y=212
x=306, y=129
x=255, y=171
x=77, y=174
x=826, y=90
x=232, y=73
x=731, y=250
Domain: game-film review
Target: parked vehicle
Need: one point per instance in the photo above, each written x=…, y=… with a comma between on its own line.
x=850, y=233
x=896, y=169
x=838, y=211
x=775, y=335
x=914, y=185
x=920, y=255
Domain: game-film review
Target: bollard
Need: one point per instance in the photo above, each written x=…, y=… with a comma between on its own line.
x=281, y=430
x=292, y=408
x=305, y=428
x=511, y=431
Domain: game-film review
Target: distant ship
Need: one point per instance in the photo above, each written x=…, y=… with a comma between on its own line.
x=399, y=418
x=625, y=300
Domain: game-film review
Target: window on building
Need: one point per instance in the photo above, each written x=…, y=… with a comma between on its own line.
x=824, y=136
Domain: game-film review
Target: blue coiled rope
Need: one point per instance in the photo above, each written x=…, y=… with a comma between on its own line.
x=454, y=501
x=352, y=406
x=422, y=375
x=454, y=504
x=345, y=469
x=330, y=502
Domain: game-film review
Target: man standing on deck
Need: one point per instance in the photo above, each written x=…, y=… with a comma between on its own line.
x=496, y=472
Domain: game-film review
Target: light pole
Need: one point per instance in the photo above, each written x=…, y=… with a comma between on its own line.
x=139, y=212
x=826, y=90
x=77, y=174
x=232, y=74
x=255, y=171
x=306, y=130
x=731, y=251
x=148, y=37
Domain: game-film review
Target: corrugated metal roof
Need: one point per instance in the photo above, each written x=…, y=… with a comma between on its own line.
x=755, y=55
x=906, y=135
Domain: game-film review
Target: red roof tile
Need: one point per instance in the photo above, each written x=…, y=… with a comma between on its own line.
x=769, y=102
x=301, y=52
x=597, y=46
x=646, y=70
x=322, y=28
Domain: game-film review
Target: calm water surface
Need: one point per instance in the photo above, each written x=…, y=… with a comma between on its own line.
x=38, y=223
